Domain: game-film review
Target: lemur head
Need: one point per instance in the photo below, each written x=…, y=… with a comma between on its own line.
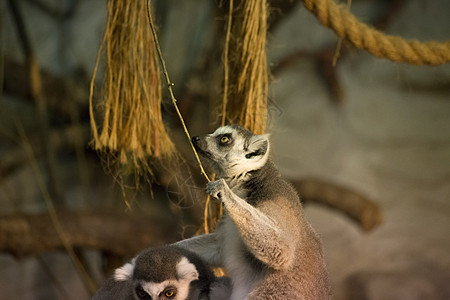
x=160, y=273
x=233, y=150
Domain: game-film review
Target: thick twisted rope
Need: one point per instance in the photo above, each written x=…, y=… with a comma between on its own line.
x=375, y=42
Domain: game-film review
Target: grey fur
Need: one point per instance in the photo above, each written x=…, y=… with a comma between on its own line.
x=112, y=289
x=263, y=241
x=160, y=266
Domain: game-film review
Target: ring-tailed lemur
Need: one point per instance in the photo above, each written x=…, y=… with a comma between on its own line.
x=166, y=272
x=263, y=241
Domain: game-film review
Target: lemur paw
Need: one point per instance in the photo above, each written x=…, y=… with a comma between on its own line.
x=217, y=188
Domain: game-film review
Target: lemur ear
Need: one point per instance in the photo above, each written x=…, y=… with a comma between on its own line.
x=186, y=270
x=258, y=146
x=125, y=272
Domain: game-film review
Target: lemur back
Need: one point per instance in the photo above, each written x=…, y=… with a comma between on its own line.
x=263, y=241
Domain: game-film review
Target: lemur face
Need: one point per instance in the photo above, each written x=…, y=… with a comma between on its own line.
x=159, y=273
x=233, y=150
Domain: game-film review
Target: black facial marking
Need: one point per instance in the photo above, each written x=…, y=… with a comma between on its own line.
x=142, y=294
x=260, y=151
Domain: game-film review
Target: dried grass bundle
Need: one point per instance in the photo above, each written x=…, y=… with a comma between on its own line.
x=246, y=75
x=132, y=130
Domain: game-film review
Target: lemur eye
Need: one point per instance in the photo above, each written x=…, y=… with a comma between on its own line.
x=169, y=293
x=225, y=139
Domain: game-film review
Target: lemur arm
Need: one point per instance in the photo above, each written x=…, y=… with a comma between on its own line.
x=265, y=239
x=206, y=246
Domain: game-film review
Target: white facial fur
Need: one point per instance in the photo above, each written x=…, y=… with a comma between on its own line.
x=125, y=272
x=233, y=162
x=156, y=289
x=186, y=270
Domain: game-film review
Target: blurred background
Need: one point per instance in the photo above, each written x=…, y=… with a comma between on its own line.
x=367, y=144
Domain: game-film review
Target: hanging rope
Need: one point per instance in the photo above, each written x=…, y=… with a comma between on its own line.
x=246, y=73
x=225, y=64
x=375, y=42
x=132, y=127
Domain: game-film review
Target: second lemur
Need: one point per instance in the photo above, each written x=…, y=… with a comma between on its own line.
x=164, y=273
x=263, y=241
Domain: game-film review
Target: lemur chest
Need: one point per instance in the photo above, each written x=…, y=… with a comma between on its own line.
x=237, y=260
x=232, y=245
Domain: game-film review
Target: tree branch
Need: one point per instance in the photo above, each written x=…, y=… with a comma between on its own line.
x=119, y=234
x=359, y=208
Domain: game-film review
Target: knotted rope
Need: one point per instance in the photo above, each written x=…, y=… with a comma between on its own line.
x=374, y=41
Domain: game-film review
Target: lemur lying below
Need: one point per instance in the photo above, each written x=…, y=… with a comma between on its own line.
x=263, y=241
x=165, y=272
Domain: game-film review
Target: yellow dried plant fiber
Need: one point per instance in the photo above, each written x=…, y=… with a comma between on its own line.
x=132, y=128
x=246, y=73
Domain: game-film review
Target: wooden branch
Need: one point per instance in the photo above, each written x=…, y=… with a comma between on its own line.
x=115, y=233
x=363, y=211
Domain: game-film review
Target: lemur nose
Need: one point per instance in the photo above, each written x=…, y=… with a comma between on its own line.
x=195, y=139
